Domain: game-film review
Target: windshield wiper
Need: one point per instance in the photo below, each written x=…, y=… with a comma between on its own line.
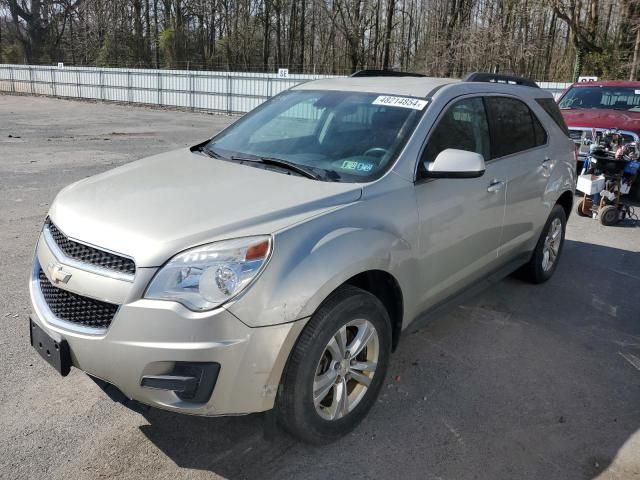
x=207, y=152
x=278, y=162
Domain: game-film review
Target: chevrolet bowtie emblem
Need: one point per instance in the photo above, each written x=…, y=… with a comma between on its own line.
x=57, y=273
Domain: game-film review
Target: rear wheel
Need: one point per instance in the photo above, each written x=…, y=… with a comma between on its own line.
x=544, y=259
x=337, y=367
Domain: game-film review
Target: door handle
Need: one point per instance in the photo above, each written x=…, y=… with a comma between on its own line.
x=546, y=163
x=495, y=186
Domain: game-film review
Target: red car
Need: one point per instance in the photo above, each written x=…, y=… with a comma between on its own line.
x=602, y=105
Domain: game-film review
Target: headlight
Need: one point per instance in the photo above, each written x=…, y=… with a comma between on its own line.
x=205, y=277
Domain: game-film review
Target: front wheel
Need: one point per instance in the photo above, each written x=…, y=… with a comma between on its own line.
x=544, y=259
x=583, y=209
x=336, y=368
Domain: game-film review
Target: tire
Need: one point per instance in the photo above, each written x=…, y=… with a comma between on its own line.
x=609, y=215
x=303, y=407
x=538, y=269
x=581, y=211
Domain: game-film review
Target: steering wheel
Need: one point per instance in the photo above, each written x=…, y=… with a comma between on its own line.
x=376, y=152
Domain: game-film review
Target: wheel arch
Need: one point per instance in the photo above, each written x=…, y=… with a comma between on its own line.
x=386, y=288
x=566, y=202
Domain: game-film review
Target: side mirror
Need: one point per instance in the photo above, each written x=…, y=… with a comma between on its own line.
x=453, y=163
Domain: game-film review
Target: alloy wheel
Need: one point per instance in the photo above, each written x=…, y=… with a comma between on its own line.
x=346, y=369
x=552, y=244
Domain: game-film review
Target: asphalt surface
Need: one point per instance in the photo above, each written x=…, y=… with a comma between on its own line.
x=522, y=382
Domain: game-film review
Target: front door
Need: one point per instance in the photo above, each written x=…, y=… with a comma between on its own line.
x=460, y=219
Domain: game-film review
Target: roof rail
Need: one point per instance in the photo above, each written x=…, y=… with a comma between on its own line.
x=385, y=73
x=499, y=78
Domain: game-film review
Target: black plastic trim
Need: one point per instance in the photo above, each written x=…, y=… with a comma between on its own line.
x=500, y=78
x=55, y=353
x=191, y=381
x=466, y=294
x=385, y=73
x=429, y=174
x=175, y=383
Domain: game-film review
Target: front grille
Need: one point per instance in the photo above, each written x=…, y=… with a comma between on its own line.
x=576, y=134
x=91, y=255
x=76, y=308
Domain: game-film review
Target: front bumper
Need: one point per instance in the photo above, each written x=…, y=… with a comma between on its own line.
x=148, y=338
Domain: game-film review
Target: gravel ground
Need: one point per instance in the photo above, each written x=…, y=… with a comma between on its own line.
x=523, y=382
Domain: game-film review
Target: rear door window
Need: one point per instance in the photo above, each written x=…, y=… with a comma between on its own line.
x=514, y=127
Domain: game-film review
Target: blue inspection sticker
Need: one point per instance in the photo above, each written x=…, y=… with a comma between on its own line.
x=357, y=166
x=364, y=167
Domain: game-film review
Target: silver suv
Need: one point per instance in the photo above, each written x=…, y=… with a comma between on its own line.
x=277, y=264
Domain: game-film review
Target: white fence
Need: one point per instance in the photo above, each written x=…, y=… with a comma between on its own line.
x=556, y=88
x=228, y=92
x=223, y=92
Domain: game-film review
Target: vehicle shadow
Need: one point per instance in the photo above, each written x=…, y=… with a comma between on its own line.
x=522, y=382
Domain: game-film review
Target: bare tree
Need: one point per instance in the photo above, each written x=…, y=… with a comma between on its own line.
x=543, y=39
x=37, y=23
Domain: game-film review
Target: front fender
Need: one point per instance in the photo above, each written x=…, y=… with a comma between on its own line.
x=311, y=262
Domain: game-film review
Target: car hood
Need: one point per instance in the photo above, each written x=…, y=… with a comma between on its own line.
x=602, y=118
x=153, y=208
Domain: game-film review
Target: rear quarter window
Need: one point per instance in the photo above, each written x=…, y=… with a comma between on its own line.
x=551, y=107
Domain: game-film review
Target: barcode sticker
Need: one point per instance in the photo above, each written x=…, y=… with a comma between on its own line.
x=403, y=102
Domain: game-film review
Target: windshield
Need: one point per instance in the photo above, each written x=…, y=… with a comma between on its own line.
x=339, y=136
x=616, y=98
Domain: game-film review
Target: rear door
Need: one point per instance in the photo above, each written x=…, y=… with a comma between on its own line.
x=519, y=143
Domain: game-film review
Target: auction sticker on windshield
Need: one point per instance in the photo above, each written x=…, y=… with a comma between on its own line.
x=404, y=102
